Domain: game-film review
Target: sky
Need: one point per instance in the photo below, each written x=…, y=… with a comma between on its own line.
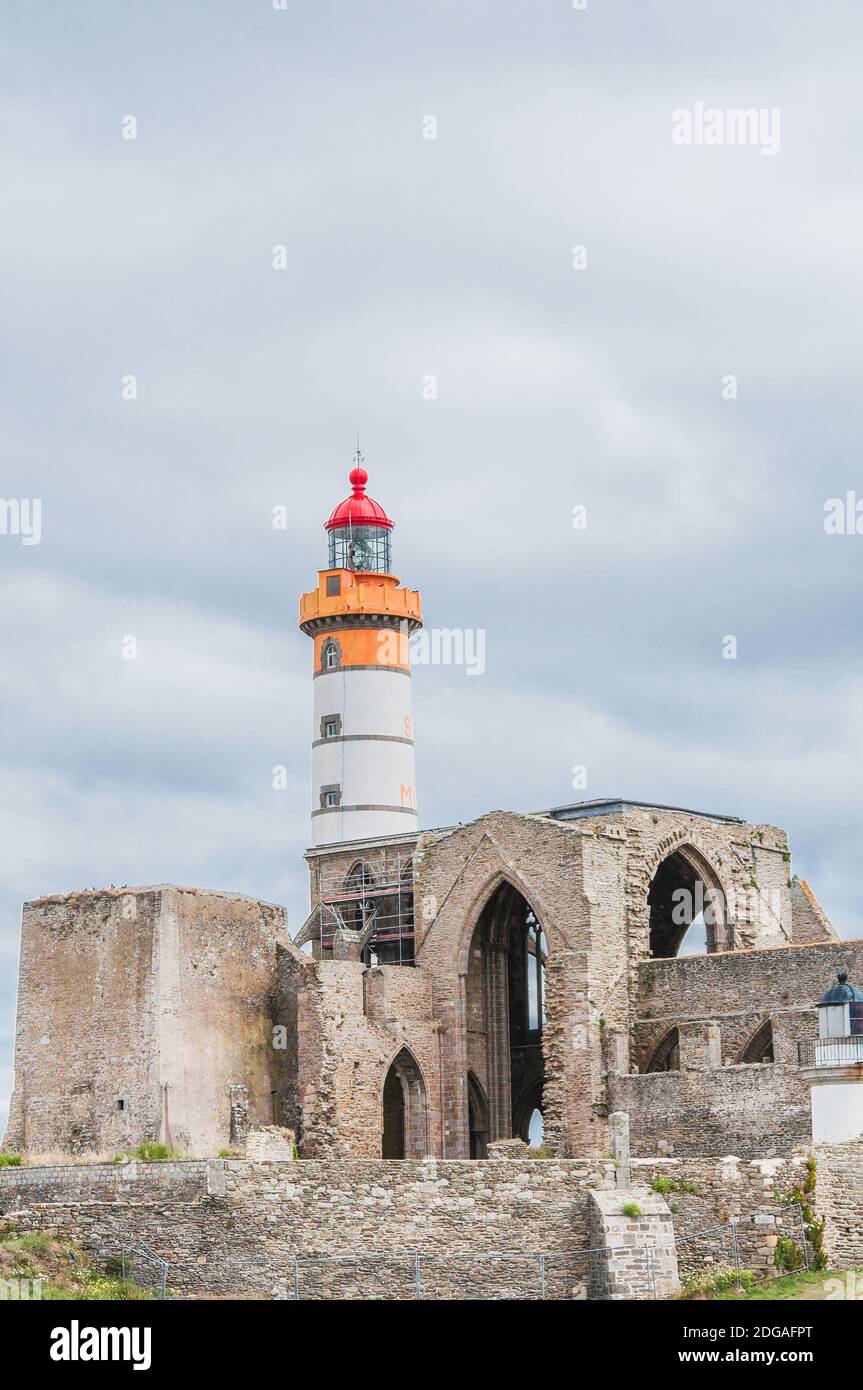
x=501, y=267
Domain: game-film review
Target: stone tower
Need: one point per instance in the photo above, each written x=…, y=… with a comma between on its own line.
x=363, y=776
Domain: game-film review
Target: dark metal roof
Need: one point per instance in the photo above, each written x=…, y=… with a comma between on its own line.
x=615, y=805
x=841, y=993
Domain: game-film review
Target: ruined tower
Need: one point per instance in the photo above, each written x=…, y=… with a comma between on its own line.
x=360, y=619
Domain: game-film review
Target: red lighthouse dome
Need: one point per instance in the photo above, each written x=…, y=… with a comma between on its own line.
x=358, y=510
x=359, y=529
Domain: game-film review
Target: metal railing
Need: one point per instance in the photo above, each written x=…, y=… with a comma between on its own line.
x=830, y=1052
x=737, y=1246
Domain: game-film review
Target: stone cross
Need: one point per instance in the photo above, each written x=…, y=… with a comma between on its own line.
x=618, y=1122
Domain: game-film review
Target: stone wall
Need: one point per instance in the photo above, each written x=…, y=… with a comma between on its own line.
x=573, y=881
x=587, y=881
x=748, y=1110
x=138, y=1010
x=202, y=1216
x=352, y=1023
x=752, y=983
x=74, y=1185
x=840, y=1199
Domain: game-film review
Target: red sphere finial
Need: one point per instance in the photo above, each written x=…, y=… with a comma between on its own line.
x=358, y=477
x=358, y=510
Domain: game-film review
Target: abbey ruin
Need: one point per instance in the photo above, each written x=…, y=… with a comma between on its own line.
x=454, y=996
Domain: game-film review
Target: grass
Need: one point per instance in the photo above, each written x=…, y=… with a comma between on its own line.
x=149, y=1153
x=67, y=1274
x=10, y=1160
x=631, y=1209
x=720, y=1286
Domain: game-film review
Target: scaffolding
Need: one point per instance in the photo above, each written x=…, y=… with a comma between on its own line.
x=370, y=904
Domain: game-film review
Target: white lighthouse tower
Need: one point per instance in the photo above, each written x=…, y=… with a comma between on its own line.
x=363, y=775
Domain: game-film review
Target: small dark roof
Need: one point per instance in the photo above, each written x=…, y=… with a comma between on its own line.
x=608, y=806
x=841, y=993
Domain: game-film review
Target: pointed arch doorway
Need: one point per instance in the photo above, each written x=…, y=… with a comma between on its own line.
x=505, y=1006
x=404, y=1109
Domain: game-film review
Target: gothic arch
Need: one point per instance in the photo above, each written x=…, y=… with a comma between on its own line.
x=478, y=1116
x=523, y=1106
x=666, y=1054
x=759, y=1048
x=404, y=1108
x=358, y=878
x=480, y=902
x=503, y=997
x=680, y=865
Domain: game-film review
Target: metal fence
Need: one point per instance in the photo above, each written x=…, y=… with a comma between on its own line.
x=830, y=1052
x=738, y=1248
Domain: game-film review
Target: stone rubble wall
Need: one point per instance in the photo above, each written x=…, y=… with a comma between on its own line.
x=138, y=1010
x=840, y=1199
x=752, y=1110
x=205, y=1217
x=743, y=983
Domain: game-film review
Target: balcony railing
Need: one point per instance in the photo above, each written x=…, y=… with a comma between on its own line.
x=830, y=1052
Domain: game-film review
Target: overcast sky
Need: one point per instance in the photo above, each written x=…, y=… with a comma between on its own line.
x=409, y=258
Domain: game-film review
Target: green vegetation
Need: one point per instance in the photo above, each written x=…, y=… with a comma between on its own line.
x=709, y=1283
x=788, y=1254
x=542, y=1152
x=155, y=1153
x=631, y=1209
x=806, y=1284
x=801, y=1194
x=10, y=1160
x=64, y=1271
x=665, y=1185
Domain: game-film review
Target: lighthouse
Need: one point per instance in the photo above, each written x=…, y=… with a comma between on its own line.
x=360, y=620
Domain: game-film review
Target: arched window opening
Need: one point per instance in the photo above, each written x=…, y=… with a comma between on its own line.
x=478, y=1117
x=405, y=1110
x=357, y=905
x=536, y=1130
x=506, y=991
x=666, y=1055
x=331, y=656
x=537, y=953
x=685, y=907
x=760, y=1045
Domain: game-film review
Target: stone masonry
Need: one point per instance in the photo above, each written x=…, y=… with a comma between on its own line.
x=202, y=1216
x=168, y=1013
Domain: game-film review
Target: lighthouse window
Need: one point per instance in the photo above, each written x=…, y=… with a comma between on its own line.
x=330, y=728
x=331, y=796
x=332, y=799
x=360, y=548
x=331, y=656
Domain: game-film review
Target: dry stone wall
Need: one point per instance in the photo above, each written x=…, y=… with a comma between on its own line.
x=201, y=1217
x=138, y=1011
x=839, y=1186
x=750, y=1110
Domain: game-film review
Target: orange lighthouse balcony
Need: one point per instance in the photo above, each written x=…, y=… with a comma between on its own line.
x=346, y=593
